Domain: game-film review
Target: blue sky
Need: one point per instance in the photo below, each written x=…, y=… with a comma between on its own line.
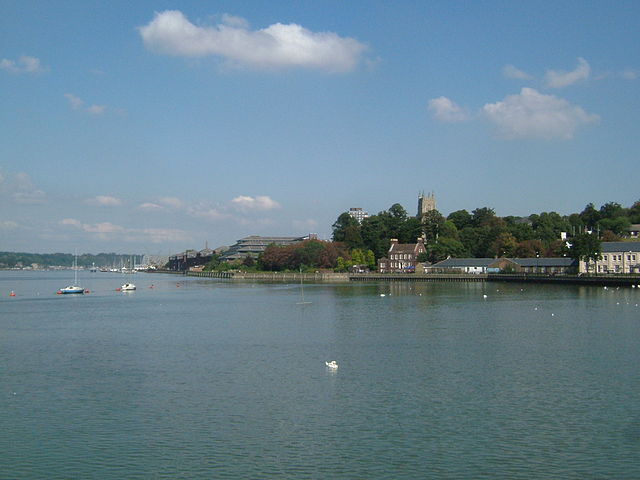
x=152, y=127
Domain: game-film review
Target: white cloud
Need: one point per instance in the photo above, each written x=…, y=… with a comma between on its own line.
x=510, y=71
x=171, y=202
x=559, y=78
x=234, y=21
x=629, y=74
x=150, y=206
x=110, y=231
x=158, y=235
x=104, y=201
x=77, y=103
x=24, y=64
x=445, y=110
x=8, y=225
x=261, y=203
x=71, y=222
x=531, y=114
x=203, y=210
x=18, y=188
x=96, y=109
x=277, y=46
x=104, y=227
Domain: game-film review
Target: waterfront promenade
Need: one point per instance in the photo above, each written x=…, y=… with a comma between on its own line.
x=331, y=277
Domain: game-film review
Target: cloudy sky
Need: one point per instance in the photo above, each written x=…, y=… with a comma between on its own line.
x=152, y=127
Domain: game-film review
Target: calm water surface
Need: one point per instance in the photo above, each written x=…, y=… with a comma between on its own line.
x=207, y=379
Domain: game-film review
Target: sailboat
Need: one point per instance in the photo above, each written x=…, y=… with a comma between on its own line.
x=73, y=288
x=302, y=302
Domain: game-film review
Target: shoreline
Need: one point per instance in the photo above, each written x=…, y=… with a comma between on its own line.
x=331, y=277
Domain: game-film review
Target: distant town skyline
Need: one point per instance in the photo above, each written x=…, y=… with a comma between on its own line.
x=152, y=127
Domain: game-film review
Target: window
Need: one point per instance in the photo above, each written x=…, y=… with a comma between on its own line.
x=604, y=257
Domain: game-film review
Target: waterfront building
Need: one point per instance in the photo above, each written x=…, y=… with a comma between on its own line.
x=616, y=257
x=190, y=258
x=402, y=257
x=469, y=265
x=358, y=214
x=548, y=266
x=254, y=245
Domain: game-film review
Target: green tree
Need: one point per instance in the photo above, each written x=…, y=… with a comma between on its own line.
x=432, y=224
x=529, y=249
x=617, y=225
x=482, y=216
x=410, y=230
x=375, y=236
x=612, y=210
x=342, y=224
x=590, y=216
x=461, y=219
x=363, y=257
x=585, y=247
x=213, y=263
x=504, y=245
x=449, y=230
x=445, y=248
x=634, y=212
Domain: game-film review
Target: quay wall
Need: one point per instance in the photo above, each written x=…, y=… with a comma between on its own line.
x=285, y=277
x=330, y=277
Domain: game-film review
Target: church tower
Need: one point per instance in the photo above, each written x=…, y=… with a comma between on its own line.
x=426, y=203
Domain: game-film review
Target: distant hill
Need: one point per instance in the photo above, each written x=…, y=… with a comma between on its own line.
x=40, y=260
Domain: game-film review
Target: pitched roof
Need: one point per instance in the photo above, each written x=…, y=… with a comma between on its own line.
x=404, y=247
x=464, y=262
x=610, y=247
x=487, y=262
x=544, y=262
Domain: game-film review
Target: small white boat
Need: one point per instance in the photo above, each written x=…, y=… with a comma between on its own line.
x=332, y=364
x=71, y=289
x=127, y=287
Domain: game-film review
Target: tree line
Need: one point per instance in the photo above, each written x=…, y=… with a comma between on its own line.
x=479, y=233
x=482, y=234
x=86, y=260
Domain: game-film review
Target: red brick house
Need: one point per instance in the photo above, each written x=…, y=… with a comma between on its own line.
x=402, y=257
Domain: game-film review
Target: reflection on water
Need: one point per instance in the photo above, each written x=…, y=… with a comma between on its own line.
x=208, y=379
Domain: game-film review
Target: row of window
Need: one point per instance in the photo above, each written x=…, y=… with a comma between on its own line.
x=614, y=258
x=401, y=256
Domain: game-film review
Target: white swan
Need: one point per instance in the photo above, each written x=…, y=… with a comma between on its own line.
x=332, y=364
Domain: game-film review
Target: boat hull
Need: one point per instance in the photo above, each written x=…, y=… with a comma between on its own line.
x=71, y=290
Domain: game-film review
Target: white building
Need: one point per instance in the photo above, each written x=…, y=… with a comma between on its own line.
x=358, y=214
x=616, y=257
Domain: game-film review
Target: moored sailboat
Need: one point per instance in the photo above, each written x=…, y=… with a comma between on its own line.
x=73, y=288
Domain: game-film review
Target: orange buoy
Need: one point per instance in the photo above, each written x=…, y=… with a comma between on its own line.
x=12, y=294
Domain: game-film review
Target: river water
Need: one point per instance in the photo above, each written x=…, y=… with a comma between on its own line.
x=202, y=378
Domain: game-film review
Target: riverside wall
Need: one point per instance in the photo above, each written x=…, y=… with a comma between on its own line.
x=330, y=277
